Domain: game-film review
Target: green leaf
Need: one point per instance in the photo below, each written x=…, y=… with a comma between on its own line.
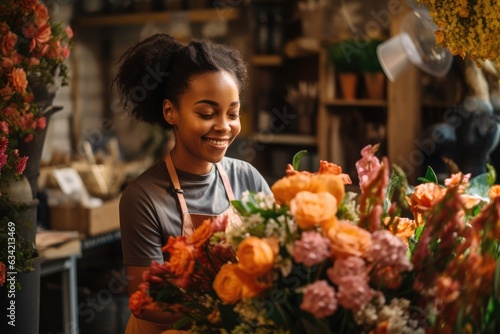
x=182, y=323
x=492, y=174
x=397, y=182
x=296, y=159
x=479, y=186
x=238, y=205
x=430, y=176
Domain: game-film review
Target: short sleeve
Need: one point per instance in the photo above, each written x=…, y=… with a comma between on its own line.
x=139, y=224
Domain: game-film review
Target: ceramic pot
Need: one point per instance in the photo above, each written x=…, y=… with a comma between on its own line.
x=348, y=85
x=374, y=85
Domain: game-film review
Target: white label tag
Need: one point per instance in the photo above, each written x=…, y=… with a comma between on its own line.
x=69, y=181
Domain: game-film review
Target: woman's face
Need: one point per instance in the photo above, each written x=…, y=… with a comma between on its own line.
x=206, y=122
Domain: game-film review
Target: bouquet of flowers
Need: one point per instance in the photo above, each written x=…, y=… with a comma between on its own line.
x=311, y=258
x=33, y=50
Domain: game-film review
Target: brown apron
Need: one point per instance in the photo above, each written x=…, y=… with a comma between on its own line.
x=190, y=222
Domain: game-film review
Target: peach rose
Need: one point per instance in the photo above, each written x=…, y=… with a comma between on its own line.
x=181, y=256
x=310, y=209
x=252, y=286
x=8, y=43
x=424, y=197
x=6, y=92
x=227, y=284
x=349, y=240
x=7, y=64
x=326, y=167
x=138, y=300
x=255, y=256
x=18, y=81
x=201, y=234
x=41, y=13
x=287, y=187
x=404, y=228
x=28, y=4
x=42, y=36
x=494, y=191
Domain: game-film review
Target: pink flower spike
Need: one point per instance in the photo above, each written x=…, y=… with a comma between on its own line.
x=368, y=165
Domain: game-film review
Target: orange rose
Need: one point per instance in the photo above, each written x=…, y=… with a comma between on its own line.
x=181, y=256
x=41, y=13
x=201, y=234
x=405, y=228
x=227, y=284
x=255, y=256
x=349, y=240
x=252, y=286
x=6, y=92
x=8, y=43
x=424, y=197
x=326, y=167
x=287, y=187
x=28, y=4
x=494, y=191
x=330, y=225
x=18, y=80
x=137, y=301
x=310, y=209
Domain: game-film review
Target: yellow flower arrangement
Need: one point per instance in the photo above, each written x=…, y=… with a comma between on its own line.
x=467, y=27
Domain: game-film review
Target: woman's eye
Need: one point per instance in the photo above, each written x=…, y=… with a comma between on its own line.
x=206, y=116
x=234, y=116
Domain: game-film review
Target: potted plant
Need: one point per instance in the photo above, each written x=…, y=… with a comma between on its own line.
x=373, y=74
x=33, y=50
x=345, y=57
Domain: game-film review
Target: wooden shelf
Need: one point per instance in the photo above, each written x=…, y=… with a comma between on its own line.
x=266, y=60
x=284, y=139
x=437, y=104
x=202, y=15
x=366, y=103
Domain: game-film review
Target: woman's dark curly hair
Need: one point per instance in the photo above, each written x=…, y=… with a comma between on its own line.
x=160, y=68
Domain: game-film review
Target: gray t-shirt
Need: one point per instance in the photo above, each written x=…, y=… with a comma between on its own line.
x=150, y=211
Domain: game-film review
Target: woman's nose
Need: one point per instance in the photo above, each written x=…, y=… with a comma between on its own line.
x=222, y=124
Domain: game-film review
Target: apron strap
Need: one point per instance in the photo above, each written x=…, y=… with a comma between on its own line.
x=176, y=184
x=187, y=222
x=225, y=180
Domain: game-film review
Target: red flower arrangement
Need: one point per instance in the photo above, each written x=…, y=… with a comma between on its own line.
x=32, y=48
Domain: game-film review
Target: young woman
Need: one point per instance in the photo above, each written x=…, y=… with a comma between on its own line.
x=194, y=90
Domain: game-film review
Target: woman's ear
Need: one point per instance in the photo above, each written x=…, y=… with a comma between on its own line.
x=168, y=112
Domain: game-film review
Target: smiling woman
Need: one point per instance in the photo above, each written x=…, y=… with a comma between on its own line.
x=196, y=94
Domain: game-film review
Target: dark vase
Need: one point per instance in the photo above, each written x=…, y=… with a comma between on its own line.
x=26, y=300
x=33, y=150
x=16, y=303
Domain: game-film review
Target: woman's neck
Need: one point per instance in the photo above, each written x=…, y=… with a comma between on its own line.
x=186, y=164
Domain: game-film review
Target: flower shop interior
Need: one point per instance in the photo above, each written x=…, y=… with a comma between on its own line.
x=325, y=76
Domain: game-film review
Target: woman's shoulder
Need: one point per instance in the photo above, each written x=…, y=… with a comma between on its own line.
x=237, y=166
x=152, y=178
x=244, y=175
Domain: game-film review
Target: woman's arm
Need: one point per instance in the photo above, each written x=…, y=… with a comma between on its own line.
x=134, y=278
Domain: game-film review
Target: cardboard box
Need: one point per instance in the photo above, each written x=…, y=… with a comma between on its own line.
x=88, y=221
